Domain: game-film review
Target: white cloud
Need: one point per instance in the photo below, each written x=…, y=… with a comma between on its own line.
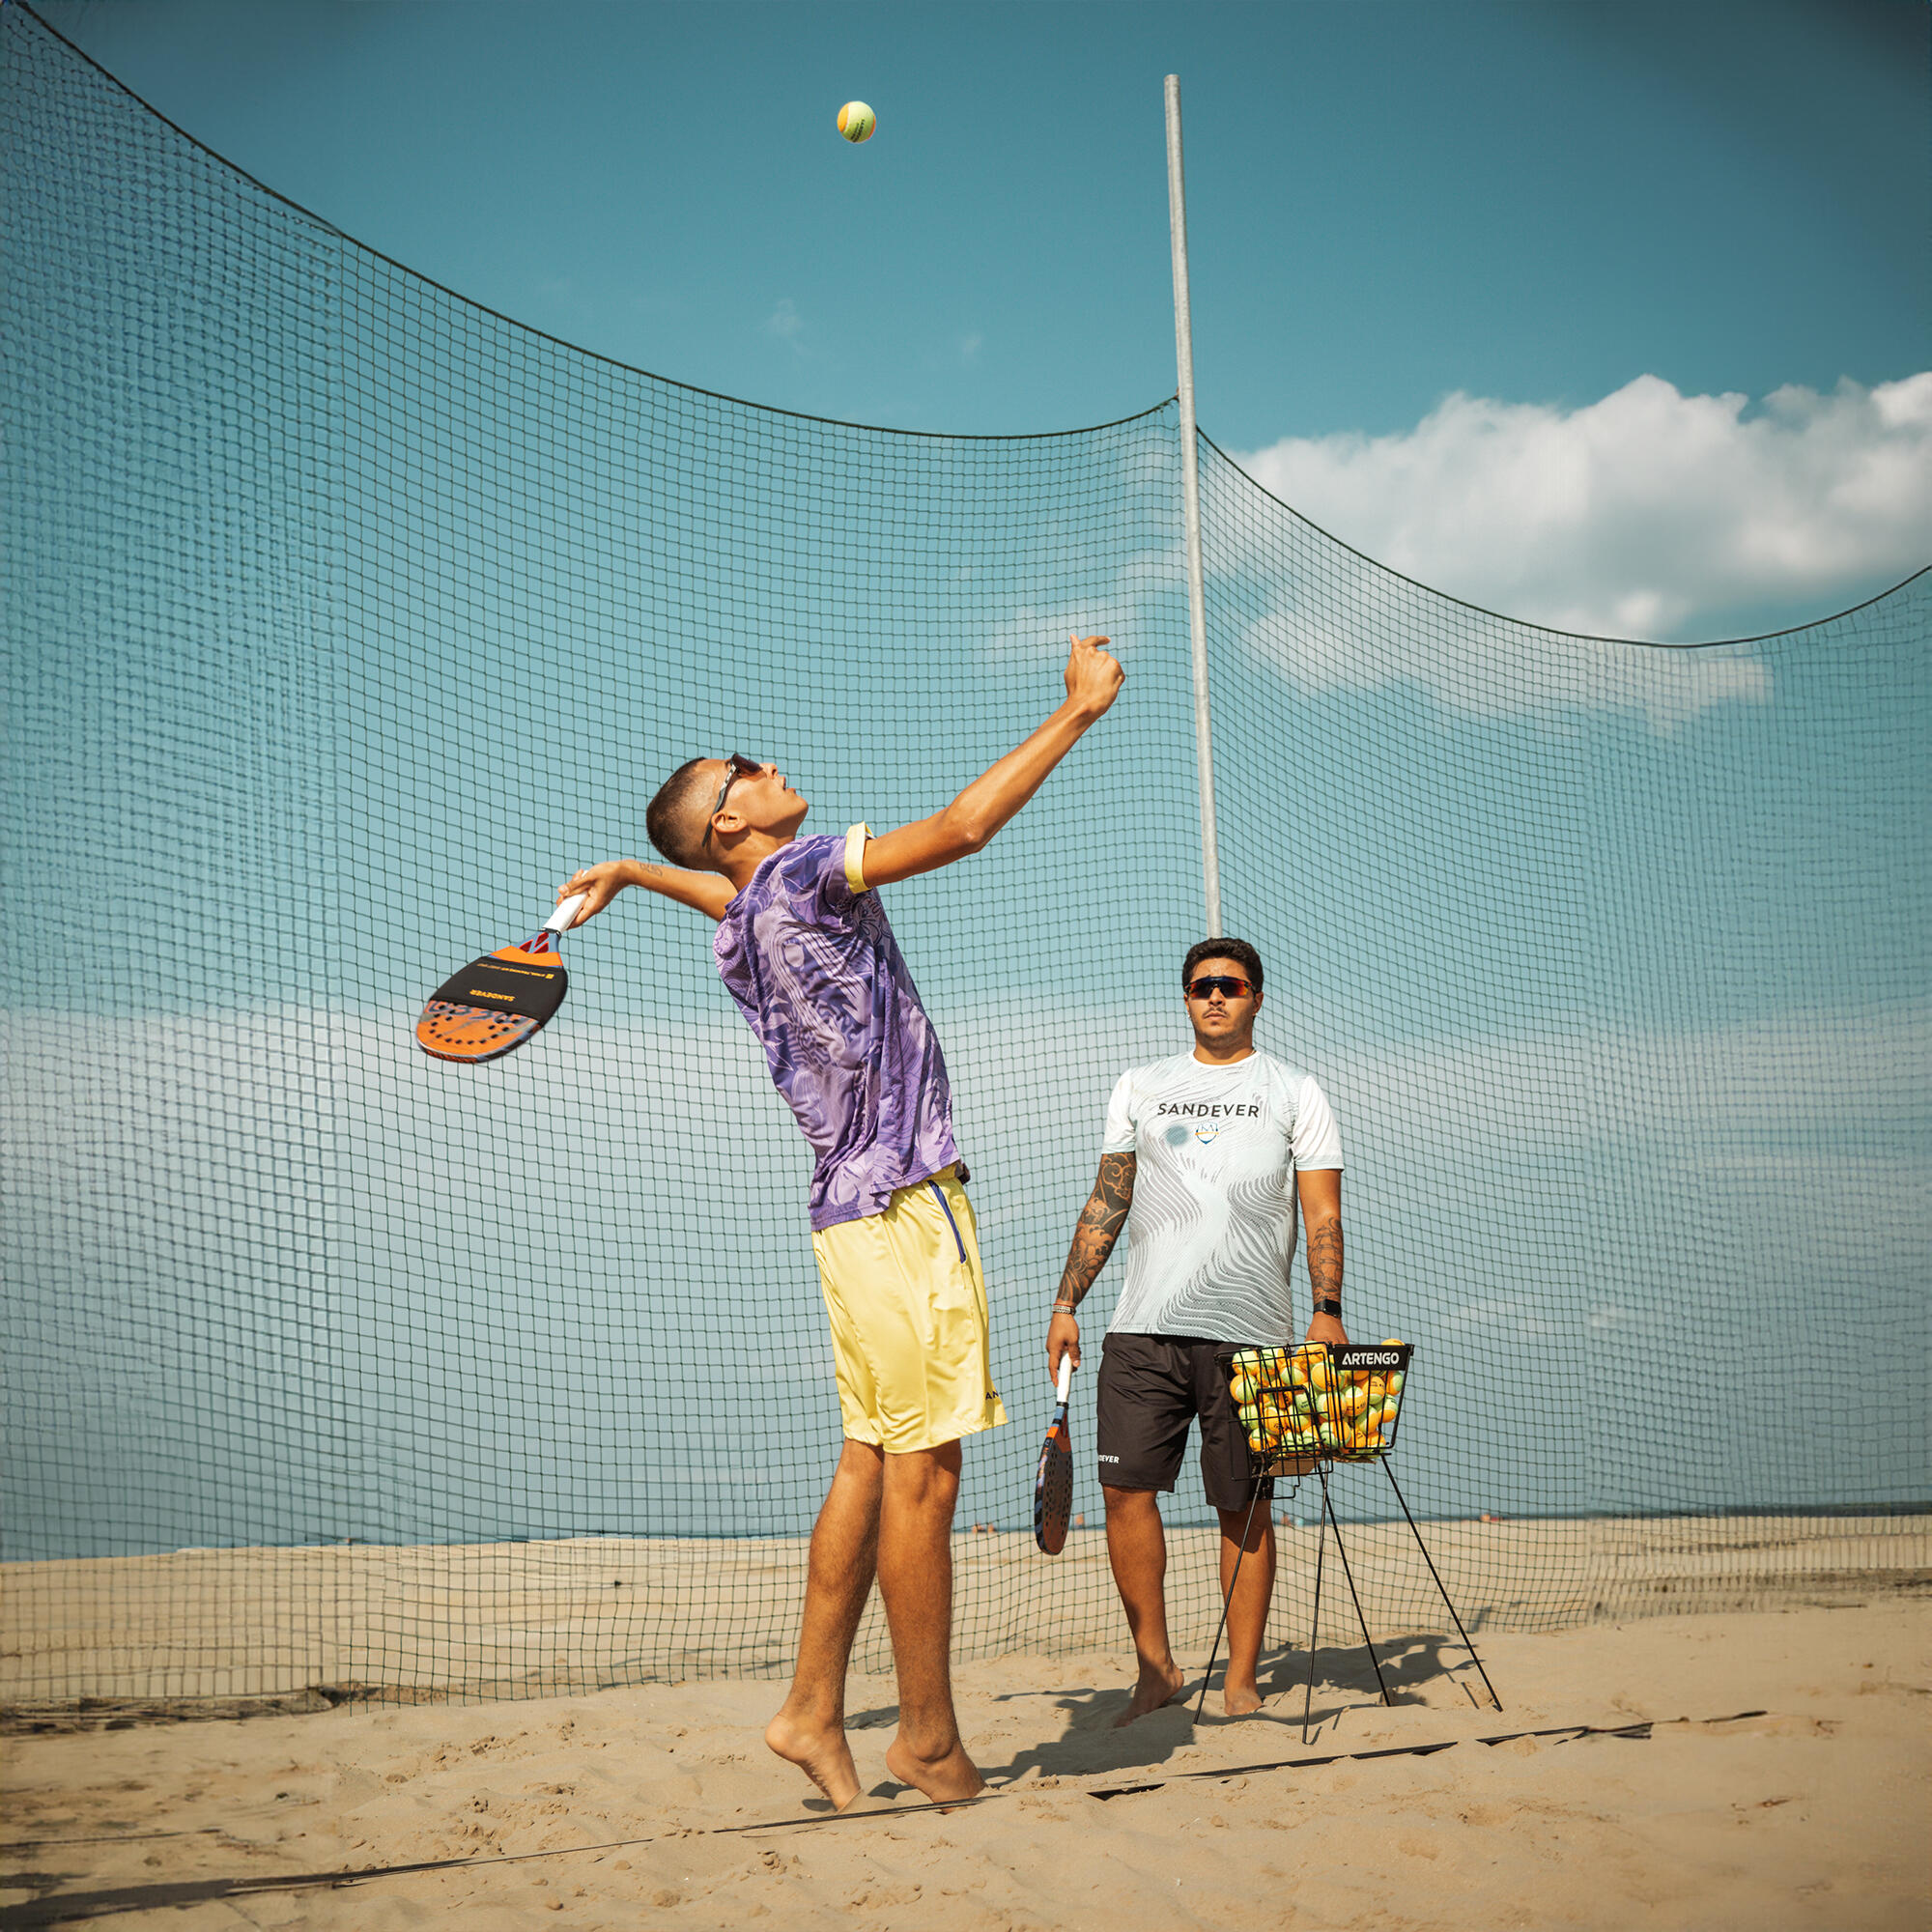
x=1042, y=632
x=784, y=322
x=1643, y=515
x=1361, y=626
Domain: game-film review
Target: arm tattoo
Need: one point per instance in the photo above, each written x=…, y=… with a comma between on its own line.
x=1099, y=1226
x=1324, y=1261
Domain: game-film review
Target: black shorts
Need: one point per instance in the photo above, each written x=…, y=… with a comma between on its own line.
x=1152, y=1387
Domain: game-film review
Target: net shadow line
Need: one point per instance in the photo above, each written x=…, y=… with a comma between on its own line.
x=1640, y=1732
x=1525, y=623
x=329, y=227
x=108, y=1838
x=63, y=1909
x=73, y=1907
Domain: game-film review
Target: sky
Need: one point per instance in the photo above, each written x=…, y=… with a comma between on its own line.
x=1611, y=960
x=364, y=615
x=1603, y=315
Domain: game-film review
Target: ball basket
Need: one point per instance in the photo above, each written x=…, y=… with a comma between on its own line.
x=1309, y=1408
x=1318, y=1403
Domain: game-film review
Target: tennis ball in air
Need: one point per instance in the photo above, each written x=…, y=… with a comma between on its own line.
x=855, y=121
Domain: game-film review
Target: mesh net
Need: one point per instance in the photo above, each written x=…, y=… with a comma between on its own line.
x=348, y=617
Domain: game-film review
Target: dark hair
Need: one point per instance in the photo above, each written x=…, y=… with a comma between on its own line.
x=1223, y=948
x=674, y=819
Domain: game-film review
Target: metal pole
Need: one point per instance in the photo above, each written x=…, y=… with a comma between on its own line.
x=1341, y=1551
x=1191, y=501
x=1440, y=1590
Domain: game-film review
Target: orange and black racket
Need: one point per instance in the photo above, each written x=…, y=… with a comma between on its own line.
x=502, y=1000
x=1053, y=1486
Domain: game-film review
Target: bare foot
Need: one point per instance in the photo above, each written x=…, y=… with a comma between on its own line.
x=1241, y=1700
x=945, y=1779
x=823, y=1756
x=1157, y=1687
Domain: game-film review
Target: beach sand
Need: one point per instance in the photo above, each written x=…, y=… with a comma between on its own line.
x=311, y=1626
x=1811, y=1815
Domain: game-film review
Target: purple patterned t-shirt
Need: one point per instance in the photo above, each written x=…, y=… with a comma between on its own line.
x=815, y=970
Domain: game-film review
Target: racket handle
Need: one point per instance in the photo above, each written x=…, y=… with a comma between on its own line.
x=564, y=916
x=1066, y=1380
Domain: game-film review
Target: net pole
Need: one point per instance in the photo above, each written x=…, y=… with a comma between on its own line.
x=1190, y=498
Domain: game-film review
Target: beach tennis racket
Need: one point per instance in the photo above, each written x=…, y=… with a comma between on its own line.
x=1053, y=1486
x=502, y=1000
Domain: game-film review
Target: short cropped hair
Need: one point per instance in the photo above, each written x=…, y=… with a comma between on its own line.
x=675, y=820
x=1237, y=950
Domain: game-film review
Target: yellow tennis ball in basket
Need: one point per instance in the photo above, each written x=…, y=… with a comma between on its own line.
x=855, y=121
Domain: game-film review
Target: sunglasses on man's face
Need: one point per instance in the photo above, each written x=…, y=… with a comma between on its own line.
x=737, y=766
x=1227, y=984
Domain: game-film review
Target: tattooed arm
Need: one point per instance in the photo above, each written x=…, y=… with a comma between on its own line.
x=1095, y=1234
x=1321, y=1192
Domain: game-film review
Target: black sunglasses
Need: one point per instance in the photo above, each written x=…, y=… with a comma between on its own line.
x=1225, y=984
x=737, y=766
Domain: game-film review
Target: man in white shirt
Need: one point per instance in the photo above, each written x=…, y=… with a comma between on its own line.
x=1205, y=1157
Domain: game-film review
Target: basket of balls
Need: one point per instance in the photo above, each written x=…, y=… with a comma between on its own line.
x=1315, y=1403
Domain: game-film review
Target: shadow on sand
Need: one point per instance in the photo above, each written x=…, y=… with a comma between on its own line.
x=1089, y=1744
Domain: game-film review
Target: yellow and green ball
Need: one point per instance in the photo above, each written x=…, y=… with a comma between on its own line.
x=855, y=121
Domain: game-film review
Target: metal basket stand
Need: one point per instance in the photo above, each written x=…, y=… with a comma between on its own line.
x=1320, y=1433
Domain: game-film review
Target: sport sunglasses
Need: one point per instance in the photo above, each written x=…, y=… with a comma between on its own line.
x=1228, y=984
x=737, y=766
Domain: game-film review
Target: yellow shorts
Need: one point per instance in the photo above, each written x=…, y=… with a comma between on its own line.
x=908, y=1309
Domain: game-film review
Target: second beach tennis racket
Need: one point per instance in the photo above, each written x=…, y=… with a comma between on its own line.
x=502, y=1000
x=1053, y=1486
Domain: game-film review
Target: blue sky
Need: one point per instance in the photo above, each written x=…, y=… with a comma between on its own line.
x=1389, y=202
x=1611, y=959
x=1464, y=230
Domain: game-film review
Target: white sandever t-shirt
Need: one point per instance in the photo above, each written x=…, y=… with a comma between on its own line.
x=1211, y=1230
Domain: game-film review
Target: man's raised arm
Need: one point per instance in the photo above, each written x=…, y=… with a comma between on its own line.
x=708, y=893
x=1095, y=1234
x=970, y=821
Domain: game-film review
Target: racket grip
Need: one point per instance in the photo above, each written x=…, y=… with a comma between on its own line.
x=1066, y=1380
x=564, y=917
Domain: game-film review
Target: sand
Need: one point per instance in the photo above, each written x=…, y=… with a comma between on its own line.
x=1811, y=1815
x=522, y=1619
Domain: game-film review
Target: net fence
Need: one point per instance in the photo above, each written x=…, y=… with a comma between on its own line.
x=348, y=617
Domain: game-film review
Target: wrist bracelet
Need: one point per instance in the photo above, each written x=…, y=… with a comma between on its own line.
x=1328, y=1305
x=1063, y=1308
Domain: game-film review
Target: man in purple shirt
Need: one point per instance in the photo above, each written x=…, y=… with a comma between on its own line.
x=805, y=950
x=808, y=953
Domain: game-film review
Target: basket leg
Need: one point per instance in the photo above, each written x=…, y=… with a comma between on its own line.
x=1341, y=1551
x=1441, y=1591
x=1315, y=1623
x=1220, y=1629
